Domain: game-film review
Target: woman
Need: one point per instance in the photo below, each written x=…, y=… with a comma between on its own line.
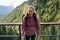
x=30, y=25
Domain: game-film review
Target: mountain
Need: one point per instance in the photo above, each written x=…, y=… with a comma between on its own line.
x=47, y=11
x=15, y=15
x=5, y=9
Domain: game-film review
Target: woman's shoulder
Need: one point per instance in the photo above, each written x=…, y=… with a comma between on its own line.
x=37, y=17
x=24, y=17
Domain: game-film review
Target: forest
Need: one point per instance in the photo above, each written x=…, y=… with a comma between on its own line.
x=47, y=11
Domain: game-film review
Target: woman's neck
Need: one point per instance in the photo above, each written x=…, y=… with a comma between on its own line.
x=30, y=15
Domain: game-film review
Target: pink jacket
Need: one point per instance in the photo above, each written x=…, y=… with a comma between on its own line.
x=31, y=28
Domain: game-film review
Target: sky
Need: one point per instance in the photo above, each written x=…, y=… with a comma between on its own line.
x=13, y=3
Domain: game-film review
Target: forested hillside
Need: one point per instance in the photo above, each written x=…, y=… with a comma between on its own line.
x=47, y=11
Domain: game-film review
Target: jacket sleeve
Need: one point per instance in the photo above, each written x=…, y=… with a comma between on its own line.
x=38, y=26
x=23, y=27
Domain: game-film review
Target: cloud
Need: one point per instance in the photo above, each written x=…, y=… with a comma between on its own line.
x=5, y=2
x=18, y=2
x=13, y=3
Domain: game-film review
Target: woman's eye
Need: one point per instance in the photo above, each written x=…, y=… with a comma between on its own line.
x=30, y=11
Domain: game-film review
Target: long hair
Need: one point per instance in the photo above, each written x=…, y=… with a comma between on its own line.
x=27, y=15
x=34, y=13
x=26, y=18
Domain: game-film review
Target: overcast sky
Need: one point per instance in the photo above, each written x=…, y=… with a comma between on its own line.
x=13, y=3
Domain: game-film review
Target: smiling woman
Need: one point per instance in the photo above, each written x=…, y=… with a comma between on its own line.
x=13, y=3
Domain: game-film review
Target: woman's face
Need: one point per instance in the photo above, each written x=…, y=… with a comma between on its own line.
x=30, y=11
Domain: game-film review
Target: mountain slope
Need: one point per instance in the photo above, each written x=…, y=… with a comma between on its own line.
x=14, y=16
x=48, y=11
